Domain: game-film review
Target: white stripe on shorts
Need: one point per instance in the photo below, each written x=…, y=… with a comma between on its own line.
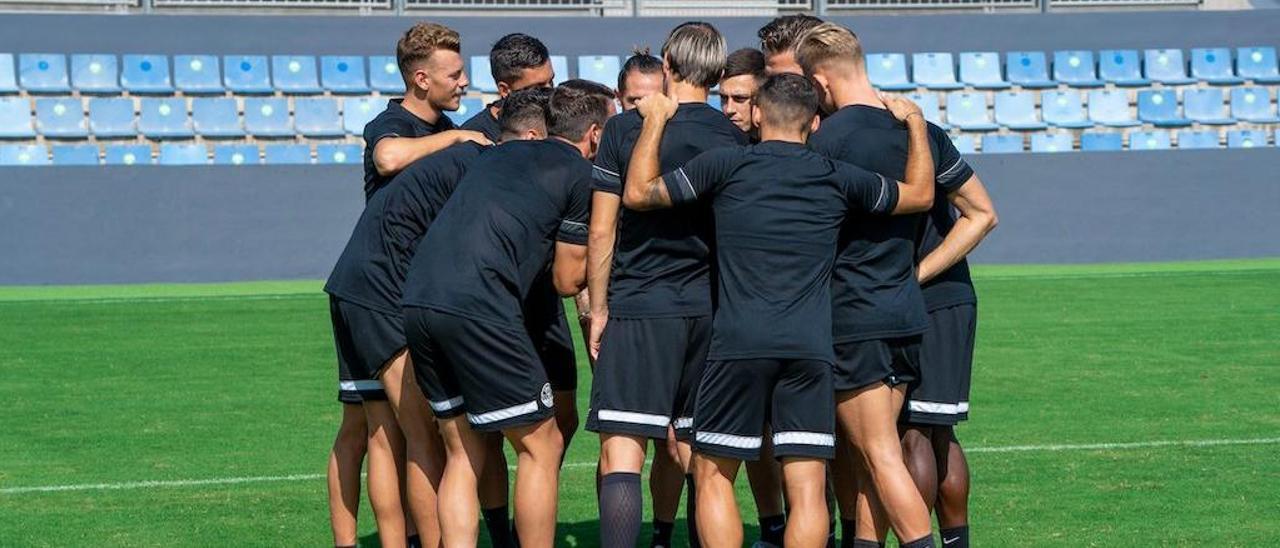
x=359, y=386
x=963, y=406
x=684, y=422
x=442, y=406
x=503, y=414
x=632, y=417
x=804, y=438
x=728, y=440
x=937, y=408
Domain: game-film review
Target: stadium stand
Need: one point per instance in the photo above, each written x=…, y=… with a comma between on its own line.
x=1002, y=143
x=1166, y=66
x=1017, y=110
x=239, y=154
x=1206, y=106
x=286, y=154
x=126, y=155
x=981, y=70
x=23, y=155
x=1121, y=67
x=965, y=143
x=75, y=155
x=343, y=74
x=358, y=111
x=295, y=74
x=384, y=75
x=317, y=117
x=888, y=71
x=930, y=106
x=599, y=68
x=934, y=71
x=95, y=73
x=8, y=80
x=1064, y=109
x=216, y=117
x=968, y=111
x=267, y=117
x=1253, y=104
x=1258, y=64
x=346, y=153
x=15, y=118
x=481, y=77
x=1149, y=140
x=164, y=118
x=1246, y=138
x=246, y=74
x=61, y=117
x=111, y=117
x=174, y=154
x=1097, y=141
x=1111, y=108
x=1159, y=107
x=1197, y=139
x=1213, y=65
x=1076, y=69
x=197, y=74
x=146, y=74
x=43, y=73
x=1028, y=69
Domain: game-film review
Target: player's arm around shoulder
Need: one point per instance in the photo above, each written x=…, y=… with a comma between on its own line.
x=392, y=154
x=644, y=188
x=916, y=191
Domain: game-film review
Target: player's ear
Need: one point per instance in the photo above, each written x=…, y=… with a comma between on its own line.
x=421, y=79
x=503, y=89
x=813, y=125
x=756, y=114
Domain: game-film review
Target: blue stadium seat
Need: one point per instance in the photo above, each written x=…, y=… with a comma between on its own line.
x=197, y=74
x=1051, y=142
x=600, y=68
x=1149, y=140
x=384, y=74
x=1121, y=67
x=279, y=153
x=1076, y=68
x=888, y=71
x=8, y=78
x=1110, y=108
x=982, y=70
x=1029, y=69
x=480, y=74
x=934, y=70
x=999, y=144
x=1094, y=141
x=1197, y=139
x=1160, y=107
x=147, y=74
x=469, y=107
x=1253, y=104
x=1258, y=64
x=295, y=74
x=15, y=118
x=1206, y=106
x=1213, y=65
x=267, y=117
x=216, y=117
x=43, y=73
x=61, y=117
x=237, y=154
x=318, y=117
x=112, y=117
x=1064, y=109
x=1166, y=66
x=75, y=155
x=928, y=103
x=345, y=153
x=358, y=111
x=23, y=155
x=1017, y=110
x=126, y=155
x=343, y=74
x=714, y=100
x=560, y=65
x=246, y=74
x=964, y=143
x=1246, y=138
x=173, y=154
x=164, y=118
x=968, y=111
x=95, y=73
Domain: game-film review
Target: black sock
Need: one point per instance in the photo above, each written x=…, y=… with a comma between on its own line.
x=831, y=532
x=847, y=528
x=620, y=510
x=773, y=528
x=860, y=543
x=691, y=512
x=499, y=527
x=413, y=541
x=955, y=537
x=922, y=542
x=662, y=534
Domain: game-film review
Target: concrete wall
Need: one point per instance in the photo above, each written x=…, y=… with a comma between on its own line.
x=72, y=225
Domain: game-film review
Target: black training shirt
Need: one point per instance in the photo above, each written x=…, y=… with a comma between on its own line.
x=661, y=260
x=496, y=233
x=485, y=122
x=874, y=288
x=395, y=121
x=372, y=268
x=952, y=286
x=778, y=210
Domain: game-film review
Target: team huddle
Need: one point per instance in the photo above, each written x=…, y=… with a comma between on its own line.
x=780, y=283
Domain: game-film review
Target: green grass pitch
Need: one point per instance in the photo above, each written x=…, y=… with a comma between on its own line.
x=232, y=386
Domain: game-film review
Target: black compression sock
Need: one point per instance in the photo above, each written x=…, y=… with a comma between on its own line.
x=413, y=541
x=620, y=510
x=955, y=537
x=922, y=542
x=499, y=527
x=847, y=528
x=691, y=512
x=773, y=528
x=661, y=534
x=860, y=543
x=831, y=532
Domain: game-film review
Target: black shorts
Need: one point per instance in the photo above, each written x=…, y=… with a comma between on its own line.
x=736, y=397
x=646, y=375
x=489, y=371
x=366, y=340
x=941, y=395
x=863, y=363
x=554, y=344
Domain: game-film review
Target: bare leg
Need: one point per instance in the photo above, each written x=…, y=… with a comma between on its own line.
x=844, y=479
x=459, y=506
x=922, y=464
x=566, y=406
x=539, y=449
x=493, y=482
x=872, y=522
x=386, y=462
x=344, y=474
x=666, y=481
x=719, y=523
x=806, y=483
x=953, y=491
x=869, y=418
x=765, y=477
x=424, y=449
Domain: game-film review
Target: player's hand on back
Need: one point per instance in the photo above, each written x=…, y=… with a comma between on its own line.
x=657, y=105
x=465, y=135
x=900, y=106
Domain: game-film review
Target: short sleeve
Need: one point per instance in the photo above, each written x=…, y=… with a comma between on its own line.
x=702, y=176
x=866, y=191
x=606, y=174
x=386, y=126
x=952, y=170
x=573, y=223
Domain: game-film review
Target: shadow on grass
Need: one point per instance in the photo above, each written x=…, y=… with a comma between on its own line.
x=586, y=534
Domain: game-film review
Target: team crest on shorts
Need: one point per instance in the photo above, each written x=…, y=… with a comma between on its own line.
x=547, y=400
